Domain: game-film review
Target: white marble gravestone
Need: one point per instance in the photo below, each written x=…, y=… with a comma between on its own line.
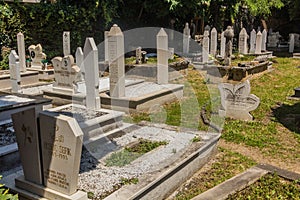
x=223, y=43
x=205, y=47
x=213, y=41
x=243, y=36
x=292, y=43
x=116, y=62
x=14, y=69
x=237, y=101
x=171, y=53
x=66, y=43
x=252, y=41
x=90, y=63
x=36, y=55
x=138, y=55
x=21, y=51
x=186, y=38
x=264, y=40
x=258, y=43
x=106, y=47
x=66, y=74
x=79, y=61
x=162, y=57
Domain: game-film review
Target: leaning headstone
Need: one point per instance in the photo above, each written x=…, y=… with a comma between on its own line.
x=228, y=47
x=138, y=55
x=66, y=43
x=91, y=67
x=243, y=48
x=264, y=40
x=205, y=47
x=292, y=43
x=106, y=46
x=223, y=43
x=258, y=43
x=186, y=38
x=79, y=61
x=36, y=55
x=14, y=69
x=213, y=41
x=162, y=57
x=237, y=101
x=252, y=41
x=116, y=62
x=21, y=52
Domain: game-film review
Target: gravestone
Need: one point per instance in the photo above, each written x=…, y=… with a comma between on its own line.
x=207, y=28
x=273, y=39
x=237, y=101
x=172, y=22
x=228, y=47
x=162, y=57
x=21, y=52
x=186, y=38
x=171, y=53
x=223, y=43
x=79, y=62
x=213, y=41
x=291, y=43
x=66, y=74
x=116, y=62
x=138, y=55
x=14, y=69
x=66, y=43
x=106, y=47
x=90, y=64
x=264, y=40
x=205, y=47
x=243, y=36
x=252, y=41
x=258, y=43
x=36, y=55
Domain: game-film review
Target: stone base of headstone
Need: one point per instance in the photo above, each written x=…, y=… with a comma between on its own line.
x=63, y=90
x=46, y=74
x=236, y=114
x=296, y=55
x=43, y=192
x=265, y=53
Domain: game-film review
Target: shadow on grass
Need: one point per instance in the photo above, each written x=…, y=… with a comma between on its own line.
x=288, y=116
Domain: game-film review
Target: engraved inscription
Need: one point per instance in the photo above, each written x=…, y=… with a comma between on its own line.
x=57, y=178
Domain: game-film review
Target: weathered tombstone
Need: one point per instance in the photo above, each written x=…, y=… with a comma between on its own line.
x=258, y=43
x=237, y=101
x=207, y=28
x=106, y=47
x=90, y=53
x=223, y=43
x=186, y=38
x=66, y=43
x=36, y=55
x=273, y=39
x=228, y=47
x=162, y=57
x=205, y=47
x=116, y=62
x=243, y=48
x=171, y=53
x=213, y=41
x=172, y=22
x=14, y=69
x=21, y=52
x=66, y=74
x=291, y=43
x=264, y=40
x=138, y=55
x=79, y=61
x=252, y=41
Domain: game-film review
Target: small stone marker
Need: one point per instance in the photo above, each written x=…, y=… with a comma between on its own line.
x=243, y=48
x=213, y=41
x=205, y=47
x=186, y=38
x=14, y=69
x=37, y=55
x=252, y=41
x=79, y=61
x=228, y=47
x=162, y=57
x=171, y=53
x=116, y=62
x=66, y=43
x=26, y=130
x=106, y=59
x=223, y=43
x=264, y=40
x=258, y=43
x=237, y=101
x=292, y=43
x=21, y=52
x=138, y=55
x=91, y=74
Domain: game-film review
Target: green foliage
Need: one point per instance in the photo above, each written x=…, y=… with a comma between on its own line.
x=4, y=63
x=126, y=181
x=4, y=193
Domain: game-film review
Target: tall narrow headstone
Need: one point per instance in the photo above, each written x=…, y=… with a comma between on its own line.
x=258, y=43
x=243, y=49
x=172, y=22
x=90, y=53
x=79, y=61
x=162, y=57
x=36, y=55
x=14, y=69
x=116, y=62
x=228, y=47
x=138, y=55
x=264, y=40
x=213, y=41
x=186, y=38
x=252, y=41
x=66, y=43
x=205, y=47
x=292, y=43
x=21, y=52
x=106, y=47
x=223, y=43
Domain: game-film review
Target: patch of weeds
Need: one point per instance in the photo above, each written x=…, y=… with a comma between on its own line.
x=128, y=181
x=270, y=186
x=196, y=139
x=90, y=195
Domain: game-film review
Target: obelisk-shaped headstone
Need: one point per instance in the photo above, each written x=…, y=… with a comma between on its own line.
x=186, y=38
x=258, y=43
x=21, y=52
x=205, y=47
x=292, y=43
x=14, y=69
x=223, y=43
x=243, y=49
x=229, y=34
x=79, y=61
x=106, y=47
x=213, y=41
x=90, y=53
x=116, y=62
x=264, y=40
x=66, y=43
x=252, y=41
x=162, y=57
